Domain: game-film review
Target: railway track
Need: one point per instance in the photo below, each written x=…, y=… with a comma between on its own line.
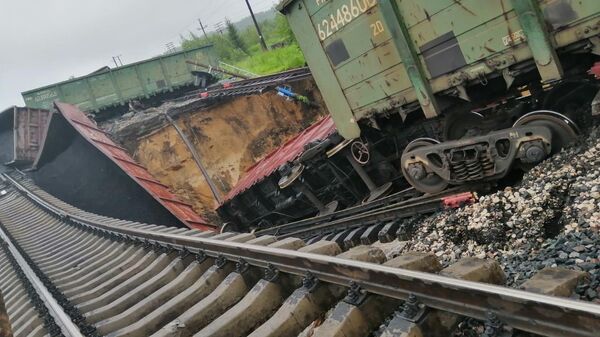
x=28, y=309
x=318, y=219
x=367, y=223
x=118, y=278
x=252, y=85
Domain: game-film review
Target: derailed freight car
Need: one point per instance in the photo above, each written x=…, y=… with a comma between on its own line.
x=110, y=88
x=22, y=133
x=314, y=172
x=486, y=84
x=440, y=92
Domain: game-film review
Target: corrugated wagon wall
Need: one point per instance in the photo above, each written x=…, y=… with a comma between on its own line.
x=229, y=137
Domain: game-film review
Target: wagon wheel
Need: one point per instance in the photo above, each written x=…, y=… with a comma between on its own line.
x=463, y=124
x=564, y=131
x=569, y=97
x=416, y=174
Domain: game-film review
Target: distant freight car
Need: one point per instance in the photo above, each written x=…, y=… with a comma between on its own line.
x=116, y=87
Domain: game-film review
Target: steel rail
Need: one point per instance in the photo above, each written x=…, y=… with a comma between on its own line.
x=253, y=87
x=531, y=312
x=285, y=228
x=294, y=73
x=420, y=205
x=253, y=84
x=391, y=201
x=425, y=206
x=61, y=318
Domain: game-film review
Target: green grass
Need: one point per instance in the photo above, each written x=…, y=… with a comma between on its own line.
x=255, y=60
x=273, y=61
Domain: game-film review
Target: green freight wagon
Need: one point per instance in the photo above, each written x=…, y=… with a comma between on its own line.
x=115, y=87
x=373, y=57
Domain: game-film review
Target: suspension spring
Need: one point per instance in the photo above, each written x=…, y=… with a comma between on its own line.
x=460, y=170
x=475, y=169
x=487, y=165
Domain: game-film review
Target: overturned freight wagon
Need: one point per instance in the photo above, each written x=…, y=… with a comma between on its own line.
x=464, y=88
x=107, y=88
x=22, y=133
x=80, y=164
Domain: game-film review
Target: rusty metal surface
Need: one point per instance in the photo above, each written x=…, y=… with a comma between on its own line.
x=160, y=192
x=29, y=126
x=287, y=152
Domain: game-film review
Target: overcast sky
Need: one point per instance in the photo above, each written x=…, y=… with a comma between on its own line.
x=47, y=41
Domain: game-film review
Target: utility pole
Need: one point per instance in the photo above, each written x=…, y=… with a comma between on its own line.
x=117, y=60
x=170, y=47
x=220, y=27
x=202, y=27
x=261, y=37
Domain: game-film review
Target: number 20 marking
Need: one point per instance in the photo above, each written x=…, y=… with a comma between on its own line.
x=377, y=28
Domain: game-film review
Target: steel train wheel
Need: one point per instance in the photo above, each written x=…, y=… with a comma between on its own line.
x=228, y=227
x=431, y=183
x=464, y=124
x=564, y=130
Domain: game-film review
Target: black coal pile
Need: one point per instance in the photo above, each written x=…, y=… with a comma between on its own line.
x=551, y=218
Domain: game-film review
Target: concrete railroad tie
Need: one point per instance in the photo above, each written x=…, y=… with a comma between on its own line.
x=125, y=289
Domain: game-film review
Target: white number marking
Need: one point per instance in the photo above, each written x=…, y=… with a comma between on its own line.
x=343, y=16
x=377, y=28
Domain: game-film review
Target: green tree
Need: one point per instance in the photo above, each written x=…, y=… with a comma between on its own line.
x=282, y=29
x=242, y=47
x=223, y=48
x=235, y=37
